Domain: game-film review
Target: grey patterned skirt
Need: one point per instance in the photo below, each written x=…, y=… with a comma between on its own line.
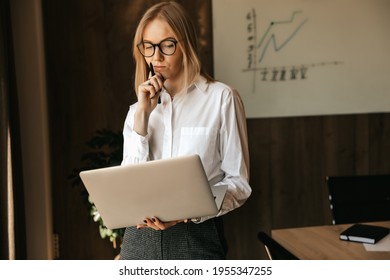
x=185, y=241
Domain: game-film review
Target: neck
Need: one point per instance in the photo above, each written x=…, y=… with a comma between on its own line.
x=173, y=88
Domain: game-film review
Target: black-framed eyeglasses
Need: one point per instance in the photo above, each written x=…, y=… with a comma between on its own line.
x=167, y=47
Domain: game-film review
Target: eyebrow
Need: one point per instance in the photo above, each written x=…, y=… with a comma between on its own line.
x=168, y=38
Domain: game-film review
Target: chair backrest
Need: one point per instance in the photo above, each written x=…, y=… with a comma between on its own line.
x=275, y=251
x=356, y=199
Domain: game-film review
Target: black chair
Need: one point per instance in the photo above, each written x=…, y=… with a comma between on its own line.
x=357, y=199
x=275, y=251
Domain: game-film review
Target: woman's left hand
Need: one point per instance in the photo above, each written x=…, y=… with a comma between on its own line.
x=156, y=224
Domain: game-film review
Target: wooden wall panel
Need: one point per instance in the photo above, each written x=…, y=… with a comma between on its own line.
x=90, y=70
x=290, y=159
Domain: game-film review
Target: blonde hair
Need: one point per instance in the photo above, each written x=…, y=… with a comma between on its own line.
x=184, y=30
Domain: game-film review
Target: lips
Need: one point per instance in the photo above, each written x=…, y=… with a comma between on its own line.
x=159, y=68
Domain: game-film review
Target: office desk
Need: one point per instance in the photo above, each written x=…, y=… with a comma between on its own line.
x=323, y=243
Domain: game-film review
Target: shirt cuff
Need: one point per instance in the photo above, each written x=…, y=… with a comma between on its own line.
x=140, y=138
x=138, y=147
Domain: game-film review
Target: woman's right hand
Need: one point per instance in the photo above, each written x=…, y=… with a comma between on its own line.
x=148, y=94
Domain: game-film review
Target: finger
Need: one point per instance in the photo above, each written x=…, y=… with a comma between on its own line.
x=154, y=86
x=164, y=225
x=139, y=226
x=150, y=223
x=159, y=224
x=148, y=89
x=160, y=80
x=156, y=82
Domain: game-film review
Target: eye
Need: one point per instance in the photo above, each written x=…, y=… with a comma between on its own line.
x=168, y=44
x=148, y=46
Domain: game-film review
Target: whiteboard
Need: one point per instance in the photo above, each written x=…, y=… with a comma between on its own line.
x=304, y=57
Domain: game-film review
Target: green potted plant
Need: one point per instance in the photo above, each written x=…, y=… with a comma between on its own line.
x=106, y=149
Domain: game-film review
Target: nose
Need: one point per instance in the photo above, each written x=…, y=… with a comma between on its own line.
x=158, y=54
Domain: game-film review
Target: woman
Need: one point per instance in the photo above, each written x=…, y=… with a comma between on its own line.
x=197, y=115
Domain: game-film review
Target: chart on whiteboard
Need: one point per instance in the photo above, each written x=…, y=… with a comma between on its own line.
x=290, y=58
x=273, y=38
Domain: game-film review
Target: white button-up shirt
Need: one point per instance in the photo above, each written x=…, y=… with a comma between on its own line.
x=209, y=120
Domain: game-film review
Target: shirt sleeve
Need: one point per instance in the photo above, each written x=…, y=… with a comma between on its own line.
x=135, y=146
x=234, y=154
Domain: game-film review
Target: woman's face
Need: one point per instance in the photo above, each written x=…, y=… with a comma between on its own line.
x=169, y=66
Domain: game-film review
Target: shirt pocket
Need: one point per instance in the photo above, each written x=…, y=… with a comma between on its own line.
x=198, y=140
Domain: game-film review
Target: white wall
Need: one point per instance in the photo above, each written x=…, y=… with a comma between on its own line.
x=318, y=58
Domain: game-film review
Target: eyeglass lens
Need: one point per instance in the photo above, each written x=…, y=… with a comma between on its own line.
x=167, y=47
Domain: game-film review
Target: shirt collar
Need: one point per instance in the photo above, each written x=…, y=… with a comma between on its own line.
x=201, y=84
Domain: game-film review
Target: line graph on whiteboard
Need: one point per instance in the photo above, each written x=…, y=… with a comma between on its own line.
x=276, y=38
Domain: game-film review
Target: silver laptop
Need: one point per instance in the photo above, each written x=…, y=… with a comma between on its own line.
x=169, y=189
